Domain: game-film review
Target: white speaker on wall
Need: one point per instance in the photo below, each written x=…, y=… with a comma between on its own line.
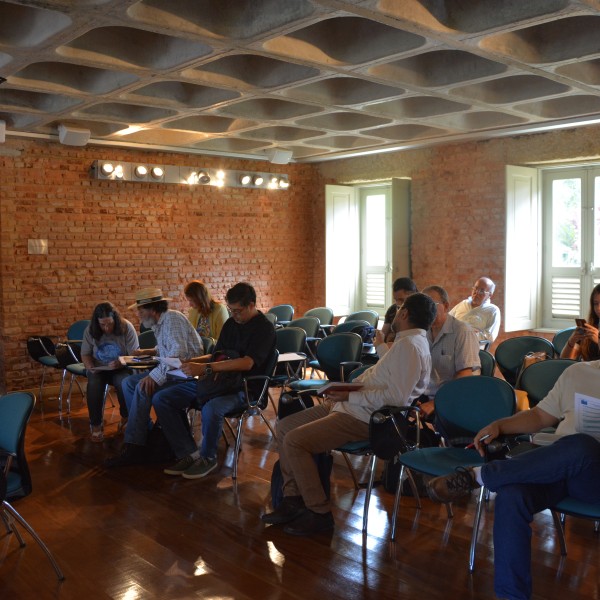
x=278, y=156
x=73, y=136
x=2, y=132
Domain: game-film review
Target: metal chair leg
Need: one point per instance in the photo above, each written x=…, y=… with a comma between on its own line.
x=559, y=524
x=475, y=531
x=352, y=472
x=7, y=507
x=372, y=466
x=238, y=443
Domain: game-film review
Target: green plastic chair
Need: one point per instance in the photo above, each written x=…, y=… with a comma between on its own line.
x=467, y=404
x=539, y=378
x=370, y=316
x=325, y=316
x=488, y=363
x=284, y=313
x=510, y=354
x=560, y=339
x=15, y=410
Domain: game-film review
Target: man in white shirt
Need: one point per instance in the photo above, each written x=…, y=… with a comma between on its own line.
x=397, y=379
x=532, y=481
x=479, y=312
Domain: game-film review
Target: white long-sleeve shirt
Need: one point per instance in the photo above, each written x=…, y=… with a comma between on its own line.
x=396, y=379
x=485, y=319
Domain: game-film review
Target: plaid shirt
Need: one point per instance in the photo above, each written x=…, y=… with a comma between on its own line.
x=175, y=338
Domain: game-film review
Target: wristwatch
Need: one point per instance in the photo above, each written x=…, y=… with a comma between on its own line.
x=208, y=371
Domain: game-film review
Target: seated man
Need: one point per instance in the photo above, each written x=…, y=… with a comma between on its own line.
x=479, y=312
x=249, y=336
x=402, y=288
x=454, y=348
x=532, y=481
x=175, y=338
x=397, y=379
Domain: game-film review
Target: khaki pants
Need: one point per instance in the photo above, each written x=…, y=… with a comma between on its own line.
x=309, y=432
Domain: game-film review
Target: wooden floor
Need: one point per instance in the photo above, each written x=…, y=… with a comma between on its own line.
x=134, y=533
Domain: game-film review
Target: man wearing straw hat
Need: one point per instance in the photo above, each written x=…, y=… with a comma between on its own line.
x=175, y=338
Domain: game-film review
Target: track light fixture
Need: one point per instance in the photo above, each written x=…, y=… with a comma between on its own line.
x=140, y=173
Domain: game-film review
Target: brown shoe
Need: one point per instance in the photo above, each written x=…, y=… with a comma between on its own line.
x=290, y=508
x=452, y=487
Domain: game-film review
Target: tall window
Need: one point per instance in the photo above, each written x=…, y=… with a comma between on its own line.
x=571, y=233
x=375, y=284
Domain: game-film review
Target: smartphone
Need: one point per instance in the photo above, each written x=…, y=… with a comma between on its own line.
x=580, y=322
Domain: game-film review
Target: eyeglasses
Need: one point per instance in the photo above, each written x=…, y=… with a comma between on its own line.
x=236, y=311
x=480, y=292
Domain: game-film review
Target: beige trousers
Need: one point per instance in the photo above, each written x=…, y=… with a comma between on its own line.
x=309, y=432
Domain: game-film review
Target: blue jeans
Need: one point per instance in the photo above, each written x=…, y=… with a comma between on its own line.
x=139, y=405
x=172, y=403
x=530, y=483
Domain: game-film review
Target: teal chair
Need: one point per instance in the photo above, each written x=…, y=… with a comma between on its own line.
x=15, y=410
x=311, y=326
x=75, y=335
x=325, y=316
x=284, y=313
x=70, y=364
x=288, y=340
x=355, y=325
x=539, y=378
x=338, y=355
x=488, y=363
x=42, y=350
x=370, y=316
x=510, y=354
x=467, y=404
x=574, y=508
x=560, y=339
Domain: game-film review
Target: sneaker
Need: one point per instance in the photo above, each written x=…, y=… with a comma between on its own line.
x=200, y=468
x=131, y=454
x=290, y=508
x=452, y=487
x=180, y=466
x=309, y=523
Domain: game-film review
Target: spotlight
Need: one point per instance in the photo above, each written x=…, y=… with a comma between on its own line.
x=284, y=184
x=258, y=180
x=156, y=173
x=245, y=179
x=140, y=171
x=203, y=177
x=119, y=174
x=107, y=169
x=192, y=178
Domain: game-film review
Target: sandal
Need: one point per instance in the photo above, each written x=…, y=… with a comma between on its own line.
x=97, y=434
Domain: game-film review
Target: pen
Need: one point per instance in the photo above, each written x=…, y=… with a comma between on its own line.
x=485, y=437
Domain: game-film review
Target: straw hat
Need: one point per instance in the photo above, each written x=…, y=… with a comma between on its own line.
x=147, y=296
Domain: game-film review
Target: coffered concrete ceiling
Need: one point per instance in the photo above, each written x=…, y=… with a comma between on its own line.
x=320, y=78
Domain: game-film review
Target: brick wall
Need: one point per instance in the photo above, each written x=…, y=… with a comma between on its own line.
x=106, y=239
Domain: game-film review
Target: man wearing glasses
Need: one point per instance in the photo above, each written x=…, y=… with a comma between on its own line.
x=248, y=339
x=479, y=312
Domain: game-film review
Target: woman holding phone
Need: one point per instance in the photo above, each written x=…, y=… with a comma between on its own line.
x=583, y=342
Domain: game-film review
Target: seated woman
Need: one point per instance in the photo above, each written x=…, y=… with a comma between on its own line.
x=107, y=337
x=583, y=342
x=206, y=315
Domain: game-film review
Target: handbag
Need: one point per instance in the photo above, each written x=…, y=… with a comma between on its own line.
x=219, y=384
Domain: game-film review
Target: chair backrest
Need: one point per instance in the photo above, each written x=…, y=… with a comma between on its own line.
x=77, y=329
x=15, y=410
x=358, y=371
x=464, y=406
x=510, y=353
x=309, y=324
x=290, y=339
x=539, y=378
x=65, y=355
x=272, y=317
x=560, y=339
x=364, y=315
x=147, y=339
x=39, y=346
x=283, y=312
x=488, y=363
x=208, y=343
x=337, y=348
x=355, y=325
x=323, y=313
